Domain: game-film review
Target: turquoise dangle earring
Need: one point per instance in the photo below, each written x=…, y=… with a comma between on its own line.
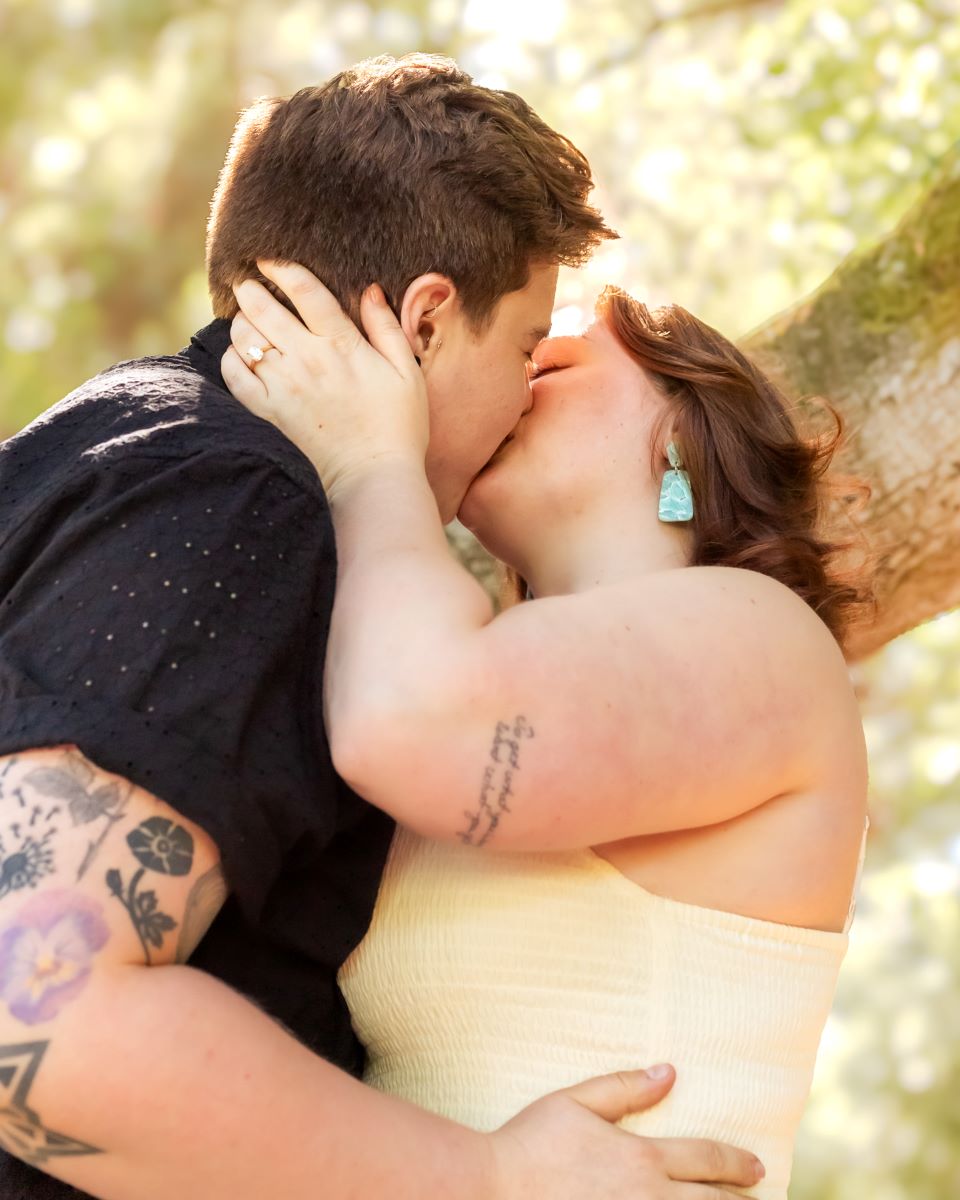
x=676, y=495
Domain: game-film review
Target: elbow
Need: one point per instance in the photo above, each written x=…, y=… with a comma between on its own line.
x=350, y=760
x=367, y=743
x=392, y=757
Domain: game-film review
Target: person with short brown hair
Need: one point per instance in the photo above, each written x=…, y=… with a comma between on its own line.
x=395, y=168
x=182, y=873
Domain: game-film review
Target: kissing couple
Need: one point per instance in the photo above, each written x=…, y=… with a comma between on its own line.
x=321, y=876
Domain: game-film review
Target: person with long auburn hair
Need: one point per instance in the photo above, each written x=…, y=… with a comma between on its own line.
x=633, y=807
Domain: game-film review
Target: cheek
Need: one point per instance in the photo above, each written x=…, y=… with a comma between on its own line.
x=499, y=396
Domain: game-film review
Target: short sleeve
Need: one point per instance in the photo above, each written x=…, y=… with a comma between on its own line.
x=169, y=618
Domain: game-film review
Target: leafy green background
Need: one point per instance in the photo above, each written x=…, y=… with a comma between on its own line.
x=742, y=148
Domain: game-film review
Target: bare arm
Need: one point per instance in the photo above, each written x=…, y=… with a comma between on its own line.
x=568, y=721
x=135, y=1078
x=128, y=1075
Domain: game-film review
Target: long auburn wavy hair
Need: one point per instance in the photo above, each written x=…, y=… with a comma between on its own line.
x=762, y=497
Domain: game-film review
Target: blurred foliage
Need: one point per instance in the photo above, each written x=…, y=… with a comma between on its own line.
x=884, y=1120
x=742, y=148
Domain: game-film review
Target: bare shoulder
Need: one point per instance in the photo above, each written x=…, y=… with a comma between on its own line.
x=772, y=709
x=731, y=588
x=743, y=612
x=762, y=647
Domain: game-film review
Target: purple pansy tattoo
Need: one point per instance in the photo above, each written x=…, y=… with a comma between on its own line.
x=46, y=953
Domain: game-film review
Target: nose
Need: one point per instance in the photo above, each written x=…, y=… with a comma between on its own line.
x=556, y=350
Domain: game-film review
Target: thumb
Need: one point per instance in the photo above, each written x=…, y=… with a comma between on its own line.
x=614, y=1096
x=384, y=331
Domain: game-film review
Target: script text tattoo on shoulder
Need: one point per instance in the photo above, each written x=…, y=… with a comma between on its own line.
x=496, y=785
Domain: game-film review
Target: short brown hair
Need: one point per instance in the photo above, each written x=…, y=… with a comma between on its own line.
x=394, y=168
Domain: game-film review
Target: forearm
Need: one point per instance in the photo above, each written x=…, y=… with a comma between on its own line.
x=185, y=1089
x=405, y=609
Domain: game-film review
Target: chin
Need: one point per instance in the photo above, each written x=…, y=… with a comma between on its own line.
x=492, y=515
x=480, y=500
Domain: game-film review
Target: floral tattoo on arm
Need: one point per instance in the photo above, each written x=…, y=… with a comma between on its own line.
x=160, y=845
x=70, y=785
x=47, y=953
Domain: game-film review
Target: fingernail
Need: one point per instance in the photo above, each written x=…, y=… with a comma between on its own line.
x=376, y=294
x=660, y=1071
x=761, y=1169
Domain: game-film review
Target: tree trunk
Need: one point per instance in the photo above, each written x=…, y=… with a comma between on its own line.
x=881, y=341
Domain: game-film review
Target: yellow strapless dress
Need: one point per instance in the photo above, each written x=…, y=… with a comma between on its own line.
x=489, y=979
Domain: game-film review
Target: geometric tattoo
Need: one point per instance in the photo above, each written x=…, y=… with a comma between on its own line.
x=21, y=1131
x=158, y=845
x=496, y=784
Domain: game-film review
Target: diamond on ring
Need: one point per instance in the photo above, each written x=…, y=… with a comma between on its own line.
x=255, y=354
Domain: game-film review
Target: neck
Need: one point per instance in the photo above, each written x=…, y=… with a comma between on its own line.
x=587, y=554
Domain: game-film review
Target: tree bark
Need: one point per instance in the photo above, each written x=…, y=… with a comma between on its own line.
x=880, y=339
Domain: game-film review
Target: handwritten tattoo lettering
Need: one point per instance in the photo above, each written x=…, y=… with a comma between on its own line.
x=204, y=902
x=158, y=845
x=22, y=1133
x=496, y=786
x=47, y=952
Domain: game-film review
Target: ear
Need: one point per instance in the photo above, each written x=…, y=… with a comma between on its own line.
x=428, y=304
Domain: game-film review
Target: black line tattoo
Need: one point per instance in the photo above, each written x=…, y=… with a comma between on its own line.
x=72, y=782
x=149, y=922
x=497, y=783
x=22, y=1133
x=26, y=855
x=204, y=902
x=28, y=863
x=160, y=845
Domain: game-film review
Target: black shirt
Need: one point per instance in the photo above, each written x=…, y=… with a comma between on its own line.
x=167, y=569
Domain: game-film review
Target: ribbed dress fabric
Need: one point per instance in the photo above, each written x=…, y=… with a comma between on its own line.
x=488, y=979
